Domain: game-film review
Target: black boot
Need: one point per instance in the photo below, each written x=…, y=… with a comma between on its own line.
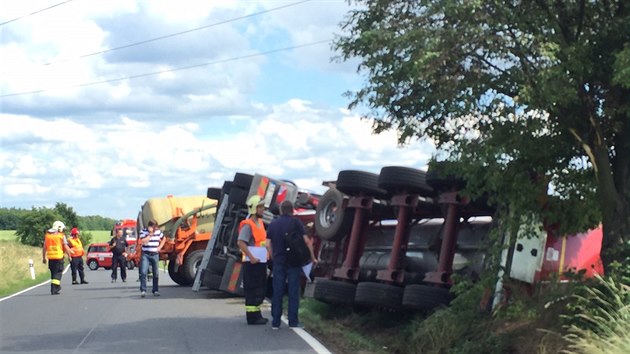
x=255, y=318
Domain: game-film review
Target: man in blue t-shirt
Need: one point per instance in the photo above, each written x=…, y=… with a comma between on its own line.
x=282, y=272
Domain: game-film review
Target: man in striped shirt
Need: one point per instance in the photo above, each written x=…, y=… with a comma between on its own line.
x=152, y=239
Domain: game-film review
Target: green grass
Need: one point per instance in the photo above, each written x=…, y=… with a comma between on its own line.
x=14, y=259
x=14, y=267
x=100, y=235
x=7, y=235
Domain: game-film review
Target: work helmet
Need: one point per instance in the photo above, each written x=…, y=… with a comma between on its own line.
x=75, y=231
x=253, y=202
x=58, y=226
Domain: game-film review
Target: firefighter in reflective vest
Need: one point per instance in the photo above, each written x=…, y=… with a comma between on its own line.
x=55, y=245
x=76, y=262
x=252, y=234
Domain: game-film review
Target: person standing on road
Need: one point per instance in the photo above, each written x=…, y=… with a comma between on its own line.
x=283, y=273
x=55, y=245
x=76, y=261
x=118, y=246
x=252, y=234
x=152, y=240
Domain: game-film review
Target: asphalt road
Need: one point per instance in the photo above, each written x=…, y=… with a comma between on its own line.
x=101, y=317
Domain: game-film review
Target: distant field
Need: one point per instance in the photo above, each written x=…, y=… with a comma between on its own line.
x=100, y=235
x=7, y=235
x=97, y=235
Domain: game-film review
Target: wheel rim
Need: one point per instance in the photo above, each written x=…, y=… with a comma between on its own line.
x=328, y=217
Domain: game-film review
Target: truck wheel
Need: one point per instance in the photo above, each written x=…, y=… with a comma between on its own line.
x=440, y=181
x=424, y=297
x=243, y=180
x=92, y=264
x=176, y=275
x=334, y=291
x=395, y=179
x=191, y=263
x=238, y=196
x=332, y=222
x=378, y=295
x=214, y=193
x=353, y=183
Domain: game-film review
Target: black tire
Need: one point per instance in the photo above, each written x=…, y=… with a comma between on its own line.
x=396, y=180
x=176, y=275
x=379, y=295
x=238, y=196
x=332, y=222
x=354, y=183
x=192, y=261
x=243, y=180
x=227, y=185
x=334, y=292
x=214, y=193
x=425, y=297
x=442, y=181
x=217, y=264
x=92, y=264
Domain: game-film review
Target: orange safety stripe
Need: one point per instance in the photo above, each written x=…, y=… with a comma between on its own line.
x=262, y=186
x=236, y=272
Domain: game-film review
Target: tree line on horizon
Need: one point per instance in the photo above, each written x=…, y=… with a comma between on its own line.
x=10, y=218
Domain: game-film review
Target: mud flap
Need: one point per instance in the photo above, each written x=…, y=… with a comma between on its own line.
x=232, y=281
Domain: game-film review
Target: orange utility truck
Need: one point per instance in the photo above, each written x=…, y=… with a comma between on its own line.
x=187, y=223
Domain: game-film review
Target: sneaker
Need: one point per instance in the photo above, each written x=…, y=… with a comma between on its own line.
x=275, y=328
x=157, y=293
x=84, y=282
x=113, y=280
x=143, y=294
x=124, y=280
x=74, y=282
x=299, y=325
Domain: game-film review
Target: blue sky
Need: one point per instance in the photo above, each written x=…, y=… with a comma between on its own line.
x=104, y=149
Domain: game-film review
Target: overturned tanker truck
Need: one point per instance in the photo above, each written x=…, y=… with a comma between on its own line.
x=389, y=240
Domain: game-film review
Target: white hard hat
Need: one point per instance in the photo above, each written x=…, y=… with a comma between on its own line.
x=59, y=226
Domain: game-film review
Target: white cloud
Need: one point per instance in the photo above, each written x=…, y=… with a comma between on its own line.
x=106, y=148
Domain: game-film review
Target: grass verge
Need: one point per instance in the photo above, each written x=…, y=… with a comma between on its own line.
x=14, y=267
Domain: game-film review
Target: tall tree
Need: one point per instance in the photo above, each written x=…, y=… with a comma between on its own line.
x=534, y=96
x=68, y=215
x=34, y=224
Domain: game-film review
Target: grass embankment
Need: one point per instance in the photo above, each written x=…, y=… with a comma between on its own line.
x=525, y=326
x=14, y=266
x=14, y=262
